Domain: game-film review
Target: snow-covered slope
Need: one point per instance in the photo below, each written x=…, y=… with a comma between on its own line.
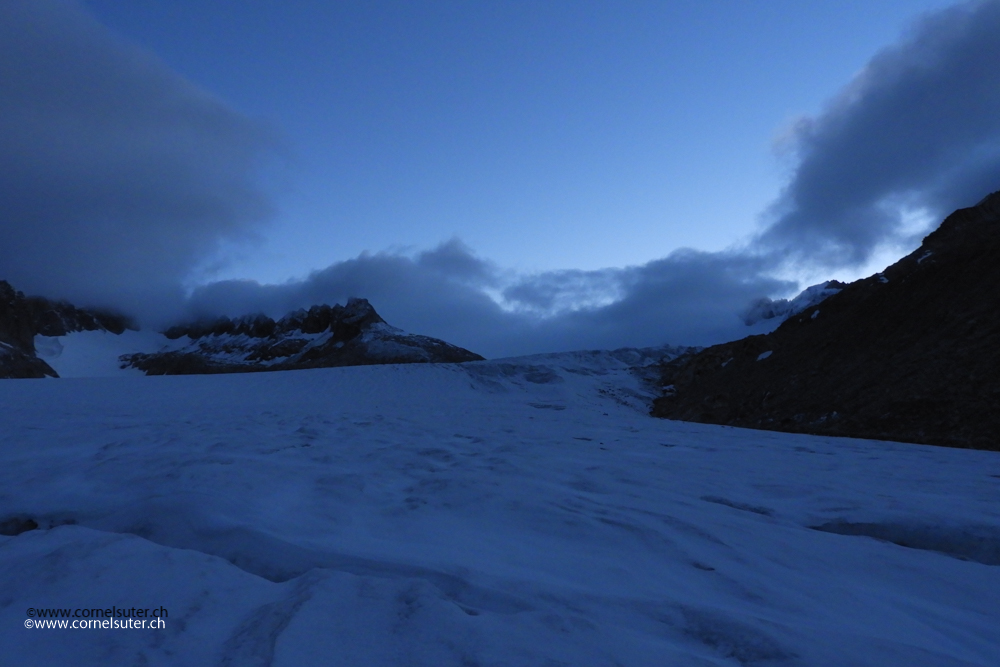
x=25, y=319
x=781, y=309
x=96, y=353
x=516, y=512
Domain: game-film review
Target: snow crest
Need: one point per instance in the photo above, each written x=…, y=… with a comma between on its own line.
x=782, y=309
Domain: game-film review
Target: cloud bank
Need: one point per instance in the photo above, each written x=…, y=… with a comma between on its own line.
x=688, y=298
x=116, y=175
x=917, y=130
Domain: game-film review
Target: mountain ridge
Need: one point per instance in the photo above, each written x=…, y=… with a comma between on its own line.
x=323, y=336
x=909, y=353
x=320, y=337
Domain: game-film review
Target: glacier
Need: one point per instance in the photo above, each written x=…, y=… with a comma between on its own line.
x=507, y=512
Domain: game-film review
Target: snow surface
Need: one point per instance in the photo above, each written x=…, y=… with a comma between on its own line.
x=774, y=312
x=512, y=512
x=95, y=353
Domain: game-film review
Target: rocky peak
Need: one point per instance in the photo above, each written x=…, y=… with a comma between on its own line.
x=345, y=320
x=322, y=336
x=911, y=353
x=781, y=309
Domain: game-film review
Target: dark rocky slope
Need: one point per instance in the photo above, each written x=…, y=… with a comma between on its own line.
x=911, y=354
x=321, y=337
x=22, y=318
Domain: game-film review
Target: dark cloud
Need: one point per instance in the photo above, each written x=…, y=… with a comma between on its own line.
x=456, y=261
x=918, y=129
x=116, y=175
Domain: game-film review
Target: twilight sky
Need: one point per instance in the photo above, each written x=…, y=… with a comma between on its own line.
x=510, y=176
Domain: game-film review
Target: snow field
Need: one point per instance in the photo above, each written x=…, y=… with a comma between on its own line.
x=512, y=512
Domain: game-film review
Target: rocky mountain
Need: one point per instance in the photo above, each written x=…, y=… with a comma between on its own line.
x=349, y=335
x=911, y=354
x=22, y=318
x=781, y=309
x=323, y=336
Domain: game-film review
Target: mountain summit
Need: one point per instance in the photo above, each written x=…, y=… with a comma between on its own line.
x=323, y=336
x=911, y=353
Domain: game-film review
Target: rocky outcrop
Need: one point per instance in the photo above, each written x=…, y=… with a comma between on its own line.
x=16, y=321
x=781, y=309
x=16, y=363
x=323, y=336
x=910, y=354
x=24, y=317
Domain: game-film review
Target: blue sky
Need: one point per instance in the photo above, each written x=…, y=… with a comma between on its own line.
x=513, y=177
x=545, y=135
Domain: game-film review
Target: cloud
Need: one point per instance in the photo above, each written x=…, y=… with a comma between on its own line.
x=917, y=130
x=915, y=135
x=687, y=298
x=116, y=175
x=556, y=292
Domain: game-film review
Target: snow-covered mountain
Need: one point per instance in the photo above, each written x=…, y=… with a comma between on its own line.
x=42, y=338
x=781, y=309
x=321, y=337
x=39, y=337
x=517, y=512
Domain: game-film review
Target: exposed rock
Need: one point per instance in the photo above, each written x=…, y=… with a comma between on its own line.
x=911, y=354
x=17, y=328
x=323, y=336
x=781, y=309
x=15, y=525
x=22, y=318
x=16, y=363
